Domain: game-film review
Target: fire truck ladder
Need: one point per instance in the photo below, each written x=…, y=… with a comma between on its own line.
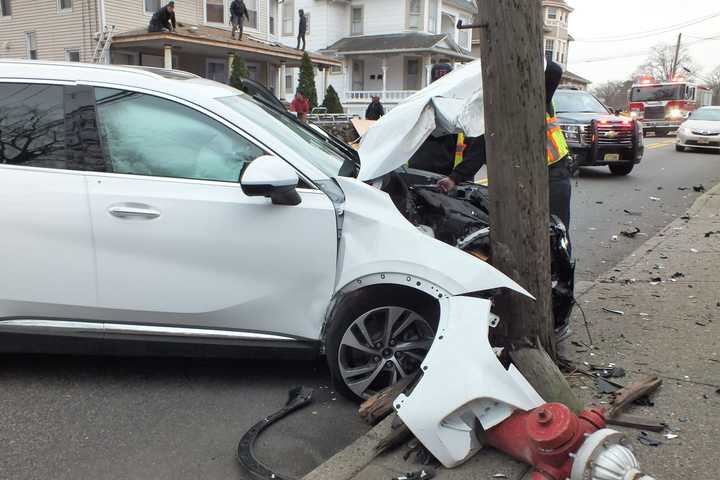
x=100, y=55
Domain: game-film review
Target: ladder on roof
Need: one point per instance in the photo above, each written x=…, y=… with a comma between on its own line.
x=100, y=55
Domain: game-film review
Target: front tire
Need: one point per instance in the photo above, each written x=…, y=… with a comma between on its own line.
x=679, y=148
x=621, y=169
x=378, y=337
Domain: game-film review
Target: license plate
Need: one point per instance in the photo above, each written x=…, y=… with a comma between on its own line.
x=703, y=141
x=612, y=157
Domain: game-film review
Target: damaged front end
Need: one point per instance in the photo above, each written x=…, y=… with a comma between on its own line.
x=461, y=218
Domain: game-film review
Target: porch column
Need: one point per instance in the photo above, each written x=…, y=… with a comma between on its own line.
x=283, y=75
x=167, y=52
x=384, y=74
x=427, y=60
x=348, y=77
x=279, y=87
x=326, y=72
x=230, y=61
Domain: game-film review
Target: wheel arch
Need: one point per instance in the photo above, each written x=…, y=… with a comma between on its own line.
x=357, y=291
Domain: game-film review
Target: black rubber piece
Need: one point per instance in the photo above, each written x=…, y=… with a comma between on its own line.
x=298, y=398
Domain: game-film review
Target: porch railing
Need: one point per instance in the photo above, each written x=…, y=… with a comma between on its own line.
x=386, y=96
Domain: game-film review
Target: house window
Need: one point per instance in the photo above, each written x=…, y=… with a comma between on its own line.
x=307, y=22
x=151, y=6
x=288, y=17
x=216, y=70
x=72, y=55
x=64, y=5
x=4, y=8
x=31, y=45
x=288, y=84
x=432, y=16
x=252, y=6
x=414, y=14
x=357, y=21
x=464, y=36
x=549, y=48
x=336, y=69
x=552, y=13
x=214, y=11
x=273, y=16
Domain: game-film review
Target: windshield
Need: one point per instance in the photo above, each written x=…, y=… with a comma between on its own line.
x=657, y=93
x=712, y=114
x=294, y=135
x=574, y=102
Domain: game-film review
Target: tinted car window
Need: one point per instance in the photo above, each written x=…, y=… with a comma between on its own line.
x=32, y=125
x=574, y=102
x=147, y=135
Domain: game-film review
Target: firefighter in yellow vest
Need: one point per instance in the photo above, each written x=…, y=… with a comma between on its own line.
x=557, y=150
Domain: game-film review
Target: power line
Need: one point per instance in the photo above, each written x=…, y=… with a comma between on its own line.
x=649, y=33
x=639, y=53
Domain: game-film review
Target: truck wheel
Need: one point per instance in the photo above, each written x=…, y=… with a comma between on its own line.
x=621, y=169
x=378, y=337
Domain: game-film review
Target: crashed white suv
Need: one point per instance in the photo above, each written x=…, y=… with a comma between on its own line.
x=155, y=208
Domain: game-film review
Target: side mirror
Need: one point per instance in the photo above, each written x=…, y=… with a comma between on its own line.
x=270, y=176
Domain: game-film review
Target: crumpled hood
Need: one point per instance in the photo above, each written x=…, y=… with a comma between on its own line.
x=452, y=104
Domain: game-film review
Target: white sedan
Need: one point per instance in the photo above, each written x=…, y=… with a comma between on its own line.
x=700, y=130
x=156, y=208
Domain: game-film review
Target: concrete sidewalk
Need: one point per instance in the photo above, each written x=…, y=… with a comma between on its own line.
x=669, y=291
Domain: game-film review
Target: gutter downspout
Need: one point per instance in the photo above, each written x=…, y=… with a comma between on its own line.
x=101, y=14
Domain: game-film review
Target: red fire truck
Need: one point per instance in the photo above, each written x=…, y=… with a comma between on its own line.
x=663, y=106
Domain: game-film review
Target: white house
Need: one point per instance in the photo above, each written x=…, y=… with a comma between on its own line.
x=387, y=47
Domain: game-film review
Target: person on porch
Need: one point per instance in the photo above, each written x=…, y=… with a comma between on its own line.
x=164, y=19
x=238, y=10
x=302, y=29
x=300, y=105
x=375, y=110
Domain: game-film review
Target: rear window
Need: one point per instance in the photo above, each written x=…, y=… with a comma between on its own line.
x=32, y=125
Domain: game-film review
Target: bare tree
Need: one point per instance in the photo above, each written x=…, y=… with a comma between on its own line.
x=659, y=62
x=614, y=93
x=713, y=81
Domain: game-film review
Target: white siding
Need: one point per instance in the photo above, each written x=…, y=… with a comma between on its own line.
x=382, y=16
x=55, y=32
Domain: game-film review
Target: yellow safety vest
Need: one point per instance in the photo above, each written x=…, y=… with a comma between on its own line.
x=459, y=150
x=557, y=147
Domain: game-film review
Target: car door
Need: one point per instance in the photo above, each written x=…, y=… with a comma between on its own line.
x=48, y=270
x=177, y=241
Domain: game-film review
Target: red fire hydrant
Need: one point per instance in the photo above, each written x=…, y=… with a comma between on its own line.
x=546, y=437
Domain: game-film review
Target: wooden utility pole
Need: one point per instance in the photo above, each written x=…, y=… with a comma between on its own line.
x=676, y=58
x=514, y=95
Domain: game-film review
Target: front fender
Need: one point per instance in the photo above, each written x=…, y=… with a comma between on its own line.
x=377, y=239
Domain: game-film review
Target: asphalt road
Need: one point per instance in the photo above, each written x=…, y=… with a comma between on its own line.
x=147, y=418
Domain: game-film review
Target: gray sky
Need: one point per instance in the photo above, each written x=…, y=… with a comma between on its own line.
x=598, y=19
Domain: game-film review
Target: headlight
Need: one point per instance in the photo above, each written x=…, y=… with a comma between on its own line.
x=675, y=113
x=571, y=132
x=634, y=114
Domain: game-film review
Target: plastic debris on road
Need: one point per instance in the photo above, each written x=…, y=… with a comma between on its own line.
x=616, y=312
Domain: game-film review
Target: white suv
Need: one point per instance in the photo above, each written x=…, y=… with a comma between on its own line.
x=154, y=206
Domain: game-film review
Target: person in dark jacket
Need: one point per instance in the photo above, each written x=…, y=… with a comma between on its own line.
x=238, y=10
x=457, y=157
x=560, y=184
x=302, y=29
x=164, y=19
x=375, y=110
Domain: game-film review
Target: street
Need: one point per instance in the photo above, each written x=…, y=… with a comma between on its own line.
x=87, y=417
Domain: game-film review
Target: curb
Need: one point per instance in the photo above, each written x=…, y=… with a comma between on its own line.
x=352, y=460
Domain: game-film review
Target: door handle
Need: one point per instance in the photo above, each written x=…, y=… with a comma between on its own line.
x=133, y=210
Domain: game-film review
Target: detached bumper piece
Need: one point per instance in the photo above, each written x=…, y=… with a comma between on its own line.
x=297, y=398
x=464, y=385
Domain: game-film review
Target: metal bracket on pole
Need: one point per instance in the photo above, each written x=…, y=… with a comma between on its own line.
x=461, y=26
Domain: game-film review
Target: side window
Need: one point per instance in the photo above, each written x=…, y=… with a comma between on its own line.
x=32, y=125
x=147, y=135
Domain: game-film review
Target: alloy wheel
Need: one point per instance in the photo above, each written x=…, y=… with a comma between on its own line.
x=382, y=346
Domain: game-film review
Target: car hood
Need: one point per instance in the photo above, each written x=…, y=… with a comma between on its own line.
x=570, y=118
x=450, y=105
x=709, y=125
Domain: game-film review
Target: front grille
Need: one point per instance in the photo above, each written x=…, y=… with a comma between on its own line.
x=654, y=113
x=705, y=134
x=615, y=134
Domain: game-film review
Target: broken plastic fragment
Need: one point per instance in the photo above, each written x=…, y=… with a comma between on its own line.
x=616, y=312
x=654, y=199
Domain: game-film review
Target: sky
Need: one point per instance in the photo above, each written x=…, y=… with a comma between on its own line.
x=600, y=60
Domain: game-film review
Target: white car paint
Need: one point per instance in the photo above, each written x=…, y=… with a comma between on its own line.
x=452, y=104
x=481, y=388
x=134, y=253
x=690, y=130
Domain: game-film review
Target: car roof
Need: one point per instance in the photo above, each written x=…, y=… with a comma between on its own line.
x=710, y=107
x=176, y=82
